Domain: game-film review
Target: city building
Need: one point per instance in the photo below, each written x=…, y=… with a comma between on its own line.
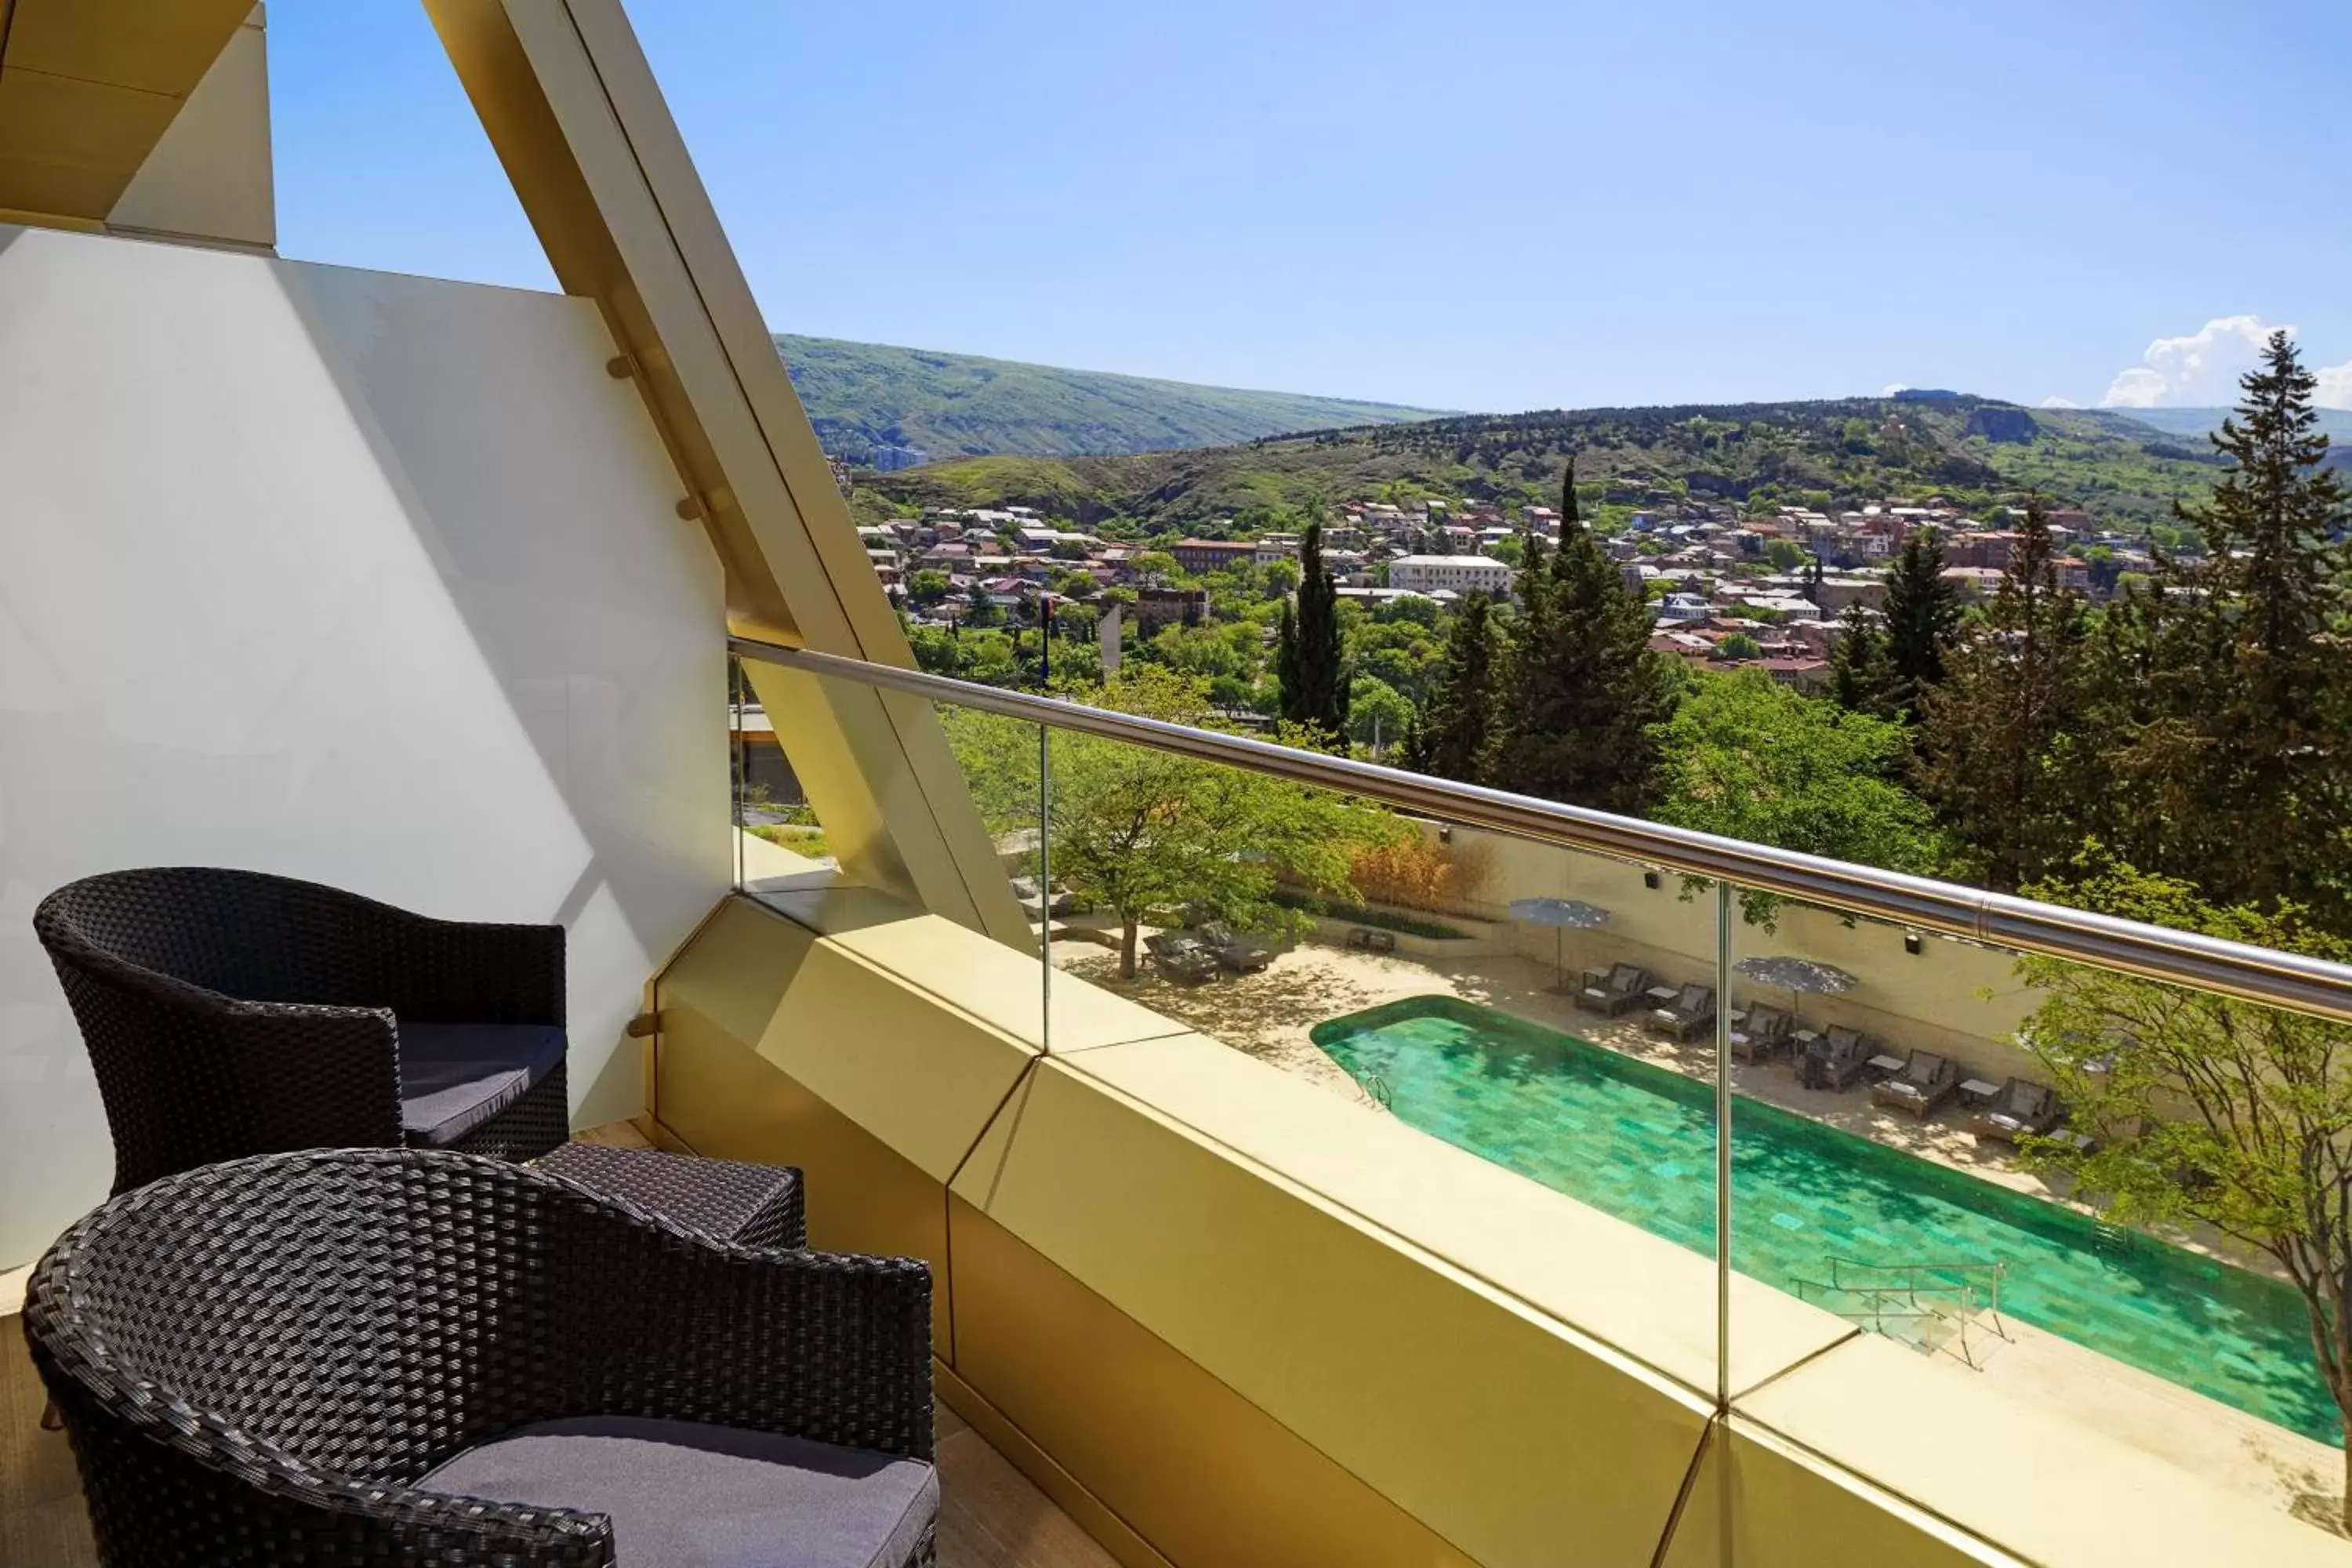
x=1202, y=556
x=1461, y=574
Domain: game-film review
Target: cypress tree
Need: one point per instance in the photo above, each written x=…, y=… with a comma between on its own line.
x=1582, y=687
x=2219, y=704
x=1861, y=681
x=1311, y=660
x=1453, y=741
x=1995, y=748
x=1922, y=611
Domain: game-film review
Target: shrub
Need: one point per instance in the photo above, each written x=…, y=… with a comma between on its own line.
x=1414, y=872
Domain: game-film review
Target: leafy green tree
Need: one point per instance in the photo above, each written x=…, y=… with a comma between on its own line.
x=2203, y=1109
x=1378, y=713
x=1581, y=690
x=1750, y=759
x=1147, y=834
x=1740, y=644
x=1922, y=611
x=1785, y=555
x=980, y=610
x=937, y=650
x=1996, y=744
x=1460, y=711
x=1310, y=659
x=929, y=586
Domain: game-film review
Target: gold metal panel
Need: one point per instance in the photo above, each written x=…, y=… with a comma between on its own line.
x=1761, y=1503
x=2020, y=1476
x=59, y=196
x=1504, y=1430
x=56, y=120
x=725, y=1101
x=1136, y=1429
x=922, y=1076
x=1640, y=1294
x=156, y=46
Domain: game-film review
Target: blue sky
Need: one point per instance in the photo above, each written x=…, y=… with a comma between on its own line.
x=1477, y=205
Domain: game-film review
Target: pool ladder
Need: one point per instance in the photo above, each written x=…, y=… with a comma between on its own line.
x=1375, y=1088
x=1930, y=1306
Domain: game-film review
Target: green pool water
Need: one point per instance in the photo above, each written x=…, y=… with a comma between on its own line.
x=1638, y=1141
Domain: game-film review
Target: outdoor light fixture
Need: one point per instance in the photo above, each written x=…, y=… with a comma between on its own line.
x=1649, y=880
x=1912, y=943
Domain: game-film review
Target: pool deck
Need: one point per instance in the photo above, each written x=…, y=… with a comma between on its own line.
x=1269, y=1015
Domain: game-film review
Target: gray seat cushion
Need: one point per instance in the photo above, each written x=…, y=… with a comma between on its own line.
x=683, y=1495
x=454, y=1077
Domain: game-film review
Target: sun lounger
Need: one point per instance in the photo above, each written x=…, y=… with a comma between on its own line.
x=1835, y=1059
x=2022, y=1108
x=1181, y=958
x=1242, y=957
x=1057, y=901
x=1926, y=1081
x=1613, y=991
x=1686, y=1015
x=1761, y=1036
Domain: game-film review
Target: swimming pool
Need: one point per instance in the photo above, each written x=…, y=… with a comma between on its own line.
x=1638, y=1141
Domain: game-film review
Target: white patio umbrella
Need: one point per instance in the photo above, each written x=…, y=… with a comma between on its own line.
x=1561, y=915
x=1795, y=974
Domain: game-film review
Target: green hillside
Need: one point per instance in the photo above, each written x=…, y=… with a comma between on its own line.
x=1972, y=450
x=890, y=407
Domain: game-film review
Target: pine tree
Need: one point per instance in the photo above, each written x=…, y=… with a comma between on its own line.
x=1922, y=611
x=1995, y=751
x=1310, y=662
x=1861, y=680
x=1582, y=688
x=1453, y=741
x=2218, y=703
x=1416, y=745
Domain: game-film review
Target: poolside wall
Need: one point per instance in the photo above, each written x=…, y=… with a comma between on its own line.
x=1953, y=997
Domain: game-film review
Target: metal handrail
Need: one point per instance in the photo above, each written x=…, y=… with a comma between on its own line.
x=1997, y=1269
x=2286, y=980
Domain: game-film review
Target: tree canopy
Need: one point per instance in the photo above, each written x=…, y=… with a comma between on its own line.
x=1582, y=689
x=2202, y=1107
x=1750, y=759
x=1997, y=746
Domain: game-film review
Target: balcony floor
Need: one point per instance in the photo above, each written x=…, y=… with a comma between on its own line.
x=989, y=1514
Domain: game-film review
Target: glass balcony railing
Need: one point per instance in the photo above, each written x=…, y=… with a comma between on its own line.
x=1988, y=1160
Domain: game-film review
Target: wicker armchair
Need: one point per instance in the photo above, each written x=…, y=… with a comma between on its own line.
x=233, y=1013
x=325, y=1357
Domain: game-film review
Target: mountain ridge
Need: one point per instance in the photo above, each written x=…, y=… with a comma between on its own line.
x=1825, y=452
x=885, y=406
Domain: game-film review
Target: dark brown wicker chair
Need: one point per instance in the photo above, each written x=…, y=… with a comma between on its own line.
x=380, y=1356
x=232, y=1013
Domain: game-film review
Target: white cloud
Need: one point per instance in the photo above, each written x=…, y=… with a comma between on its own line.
x=2335, y=389
x=2055, y=401
x=2198, y=370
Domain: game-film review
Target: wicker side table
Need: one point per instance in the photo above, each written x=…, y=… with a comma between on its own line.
x=751, y=1206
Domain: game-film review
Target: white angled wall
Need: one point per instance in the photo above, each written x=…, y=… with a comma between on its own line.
x=367, y=579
